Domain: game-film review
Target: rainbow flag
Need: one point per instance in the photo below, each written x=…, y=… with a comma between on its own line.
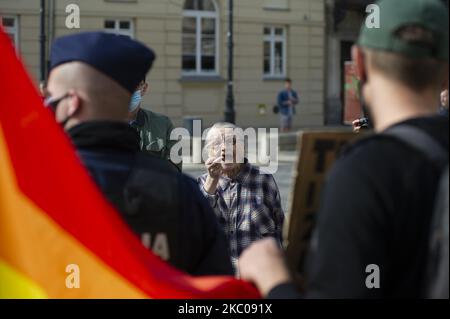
x=59, y=238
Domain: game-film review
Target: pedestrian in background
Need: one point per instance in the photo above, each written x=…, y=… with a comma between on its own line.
x=287, y=100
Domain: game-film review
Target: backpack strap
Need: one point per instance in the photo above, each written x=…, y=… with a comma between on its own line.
x=437, y=275
x=421, y=141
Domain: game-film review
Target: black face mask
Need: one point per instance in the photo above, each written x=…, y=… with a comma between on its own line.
x=54, y=106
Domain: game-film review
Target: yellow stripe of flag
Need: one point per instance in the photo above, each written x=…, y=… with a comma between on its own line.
x=17, y=286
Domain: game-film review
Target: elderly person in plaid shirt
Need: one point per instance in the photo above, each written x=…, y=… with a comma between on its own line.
x=246, y=201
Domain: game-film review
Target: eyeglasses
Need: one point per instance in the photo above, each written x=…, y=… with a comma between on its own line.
x=53, y=103
x=216, y=144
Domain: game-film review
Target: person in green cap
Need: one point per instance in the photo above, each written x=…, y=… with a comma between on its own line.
x=372, y=230
x=153, y=128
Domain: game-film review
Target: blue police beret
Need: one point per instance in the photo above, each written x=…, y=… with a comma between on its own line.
x=123, y=59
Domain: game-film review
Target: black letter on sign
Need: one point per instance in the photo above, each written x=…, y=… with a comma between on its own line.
x=322, y=147
x=310, y=195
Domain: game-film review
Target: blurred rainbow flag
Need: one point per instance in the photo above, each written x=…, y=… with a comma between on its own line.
x=53, y=216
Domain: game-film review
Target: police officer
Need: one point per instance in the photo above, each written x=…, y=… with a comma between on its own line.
x=153, y=128
x=373, y=227
x=92, y=77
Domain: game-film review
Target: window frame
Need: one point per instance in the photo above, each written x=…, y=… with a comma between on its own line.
x=14, y=30
x=117, y=29
x=199, y=16
x=273, y=38
x=276, y=5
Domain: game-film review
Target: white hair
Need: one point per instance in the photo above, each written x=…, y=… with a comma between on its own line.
x=229, y=129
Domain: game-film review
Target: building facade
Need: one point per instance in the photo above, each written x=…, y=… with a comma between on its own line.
x=273, y=39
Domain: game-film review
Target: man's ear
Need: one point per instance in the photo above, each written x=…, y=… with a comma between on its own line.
x=358, y=58
x=145, y=88
x=74, y=103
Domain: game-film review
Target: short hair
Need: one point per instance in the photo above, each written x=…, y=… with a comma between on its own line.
x=288, y=80
x=417, y=74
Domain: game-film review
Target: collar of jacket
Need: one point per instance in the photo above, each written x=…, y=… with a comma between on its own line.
x=240, y=178
x=139, y=122
x=140, y=118
x=105, y=135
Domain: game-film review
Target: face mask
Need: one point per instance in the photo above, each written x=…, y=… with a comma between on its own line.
x=136, y=100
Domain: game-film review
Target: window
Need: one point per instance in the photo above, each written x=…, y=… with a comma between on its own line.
x=276, y=4
x=123, y=27
x=11, y=26
x=200, y=37
x=274, y=52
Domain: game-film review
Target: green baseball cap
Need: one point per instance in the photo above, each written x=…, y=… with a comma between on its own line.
x=432, y=15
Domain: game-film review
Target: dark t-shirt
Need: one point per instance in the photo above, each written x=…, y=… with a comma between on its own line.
x=376, y=210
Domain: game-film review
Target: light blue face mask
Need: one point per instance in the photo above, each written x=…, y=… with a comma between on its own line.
x=136, y=100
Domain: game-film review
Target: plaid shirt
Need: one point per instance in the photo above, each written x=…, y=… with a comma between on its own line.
x=248, y=209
